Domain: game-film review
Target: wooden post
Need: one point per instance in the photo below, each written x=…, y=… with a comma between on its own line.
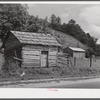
x=68, y=61
x=74, y=61
x=2, y=60
x=90, y=61
x=16, y=60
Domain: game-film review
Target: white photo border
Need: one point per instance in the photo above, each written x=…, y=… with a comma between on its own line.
x=44, y=92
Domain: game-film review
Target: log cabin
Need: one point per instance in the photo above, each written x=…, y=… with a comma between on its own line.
x=31, y=49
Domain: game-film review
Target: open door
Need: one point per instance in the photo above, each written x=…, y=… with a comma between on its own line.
x=44, y=58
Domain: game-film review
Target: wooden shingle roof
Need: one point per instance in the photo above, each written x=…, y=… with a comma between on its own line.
x=35, y=38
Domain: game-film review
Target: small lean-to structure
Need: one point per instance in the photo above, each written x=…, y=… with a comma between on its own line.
x=29, y=49
x=75, y=52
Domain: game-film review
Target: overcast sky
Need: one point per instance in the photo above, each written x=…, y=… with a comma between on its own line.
x=87, y=16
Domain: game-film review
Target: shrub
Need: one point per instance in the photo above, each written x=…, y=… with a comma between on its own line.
x=43, y=71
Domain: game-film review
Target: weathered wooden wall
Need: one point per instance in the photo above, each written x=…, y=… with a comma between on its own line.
x=12, y=43
x=31, y=55
x=53, y=51
x=79, y=54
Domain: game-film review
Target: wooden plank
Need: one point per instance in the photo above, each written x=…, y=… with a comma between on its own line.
x=28, y=64
x=33, y=47
x=33, y=60
x=37, y=49
x=53, y=53
x=52, y=57
x=37, y=63
x=52, y=65
x=52, y=61
x=18, y=59
x=31, y=52
x=30, y=57
x=53, y=49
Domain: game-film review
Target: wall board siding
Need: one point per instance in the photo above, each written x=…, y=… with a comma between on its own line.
x=28, y=47
x=33, y=52
x=30, y=57
x=30, y=64
x=33, y=60
x=53, y=53
x=42, y=49
x=52, y=61
x=51, y=65
x=52, y=57
x=52, y=49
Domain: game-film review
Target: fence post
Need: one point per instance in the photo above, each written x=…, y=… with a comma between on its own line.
x=2, y=59
x=90, y=61
x=68, y=61
x=74, y=61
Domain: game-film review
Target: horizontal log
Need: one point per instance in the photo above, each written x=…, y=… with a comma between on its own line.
x=53, y=49
x=52, y=53
x=28, y=47
x=52, y=64
x=52, y=57
x=33, y=52
x=30, y=57
x=52, y=61
x=29, y=66
x=31, y=62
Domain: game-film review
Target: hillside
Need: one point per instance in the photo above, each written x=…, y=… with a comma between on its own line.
x=66, y=40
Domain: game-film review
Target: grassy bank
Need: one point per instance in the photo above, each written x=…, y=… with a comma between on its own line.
x=49, y=73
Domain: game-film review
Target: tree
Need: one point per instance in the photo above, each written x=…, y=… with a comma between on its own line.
x=32, y=24
x=53, y=21
x=72, y=22
x=12, y=17
x=91, y=41
x=45, y=23
x=74, y=29
x=58, y=20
